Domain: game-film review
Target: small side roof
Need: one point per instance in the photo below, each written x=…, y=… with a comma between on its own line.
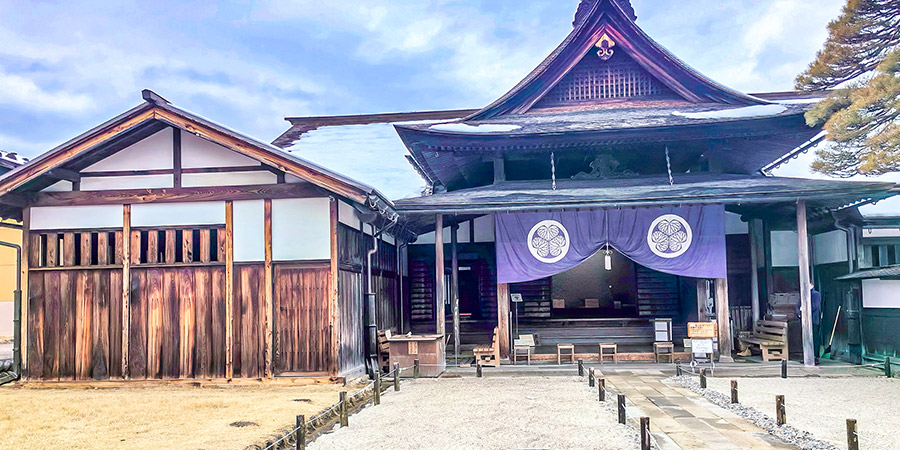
x=891, y=272
x=155, y=109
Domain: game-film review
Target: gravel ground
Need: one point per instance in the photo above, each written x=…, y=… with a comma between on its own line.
x=491, y=412
x=821, y=406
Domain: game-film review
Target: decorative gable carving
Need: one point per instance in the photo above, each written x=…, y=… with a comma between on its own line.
x=604, y=75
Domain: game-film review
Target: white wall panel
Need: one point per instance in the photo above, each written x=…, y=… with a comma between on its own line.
x=880, y=232
x=484, y=228
x=228, y=179
x=129, y=182
x=301, y=229
x=784, y=249
x=198, y=152
x=76, y=217
x=154, y=152
x=830, y=247
x=881, y=293
x=249, y=231
x=59, y=186
x=734, y=225
x=347, y=215
x=175, y=214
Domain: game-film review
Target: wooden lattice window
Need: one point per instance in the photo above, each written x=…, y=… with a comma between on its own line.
x=75, y=249
x=183, y=245
x=594, y=80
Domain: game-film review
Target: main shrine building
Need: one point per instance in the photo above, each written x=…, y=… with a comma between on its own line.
x=609, y=199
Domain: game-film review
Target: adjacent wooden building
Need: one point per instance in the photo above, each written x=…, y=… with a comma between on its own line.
x=161, y=245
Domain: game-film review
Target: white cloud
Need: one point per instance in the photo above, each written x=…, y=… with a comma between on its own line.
x=18, y=91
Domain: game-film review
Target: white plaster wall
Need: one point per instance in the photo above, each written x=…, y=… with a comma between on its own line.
x=59, y=186
x=288, y=178
x=228, y=179
x=129, y=182
x=6, y=319
x=301, y=229
x=734, y=225
x=175, y=214
x=154, y=152
x=484, y=228
x=830, y=247
x=784, y=249
x=347, y=215
x=881, y=293
x=76, y=217
x=880, y=232
x=249, y=231
x=198, y=152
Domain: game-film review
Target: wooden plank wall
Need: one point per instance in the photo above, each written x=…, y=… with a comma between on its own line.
x=302, y=319
x=74, y=325
x=249, y=320
x=352, y=321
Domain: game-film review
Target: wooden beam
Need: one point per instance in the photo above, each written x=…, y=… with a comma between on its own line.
x=269, y=343
x=173, y=195
x=64, y=174
x=176, y=156
x=440, y=325
x=809, y=357
x=454, y=287
x=723, y=321
x=503, y=318
x=702, y=296
x=333, y=286
x=229, y=289
x=26, y=264
x=754, y=228
x=126, y=285
x=17, y=199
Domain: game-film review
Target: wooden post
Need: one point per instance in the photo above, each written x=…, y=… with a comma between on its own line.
x=852, y=435
x=416, y=368
x=454, y=288
x=377, y=386
x=580, y=367
x=126, y=286
x=602, y=389
x=780, y=413
x=620, y=401
x=784, y=367
x=23, y=276
x=753, y=228
x=269, y=303
x=300, y=436
x=176, y=157
x=703, y=378
x=478, y=369
x=734, y=391
x=396, y=377
x=333, y=285
x=702, y=295
x=440, y=325
x=591, y=377
x=503, y=319
x=722, y=320
x=645, y=433
x=229, y=290
x=343, y=408
x=887, y=367
x=809, y=357
x=678, y=369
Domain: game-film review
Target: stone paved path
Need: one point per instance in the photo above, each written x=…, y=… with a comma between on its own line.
x=682, y=419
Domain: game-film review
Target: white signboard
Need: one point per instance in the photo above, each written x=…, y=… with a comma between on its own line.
x=516, y=298
x=701, y=345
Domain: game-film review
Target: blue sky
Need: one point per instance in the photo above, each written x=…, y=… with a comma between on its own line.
x=66, y=66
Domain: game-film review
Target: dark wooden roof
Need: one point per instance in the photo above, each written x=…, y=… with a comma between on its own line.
x=891, y=272
x=18, y=185
x=740, y=190
x=608, y=17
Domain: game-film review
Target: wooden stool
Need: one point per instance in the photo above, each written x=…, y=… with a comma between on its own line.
x=560, y=348
x=614, y=355
x=658, y=348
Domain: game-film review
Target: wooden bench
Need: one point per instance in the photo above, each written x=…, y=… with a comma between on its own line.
x=771, y=338
x=489, y=354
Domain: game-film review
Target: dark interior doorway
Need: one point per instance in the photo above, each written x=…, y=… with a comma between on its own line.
x=469, y=306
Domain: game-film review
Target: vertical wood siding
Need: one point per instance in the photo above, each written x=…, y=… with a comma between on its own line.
x=350, y=303
x=302, y=320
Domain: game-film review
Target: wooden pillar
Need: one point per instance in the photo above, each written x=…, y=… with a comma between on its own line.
x=229, y=290
x=503, y=318
x=440, y=325
x=268, y=300
x=702, y=295
x=454, y=287
x=126, y=285
x=176, y=157
x=333, y=308
x=753, y=228
x=809, y=358
x=767, y=254
x=26, y=263
x=722, y=320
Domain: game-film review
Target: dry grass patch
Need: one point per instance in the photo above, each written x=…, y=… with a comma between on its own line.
x=153, y=417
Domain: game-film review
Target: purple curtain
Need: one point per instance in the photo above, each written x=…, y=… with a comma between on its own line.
x=687, y=241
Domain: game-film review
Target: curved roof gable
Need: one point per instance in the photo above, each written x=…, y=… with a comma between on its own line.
x=606, y=20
